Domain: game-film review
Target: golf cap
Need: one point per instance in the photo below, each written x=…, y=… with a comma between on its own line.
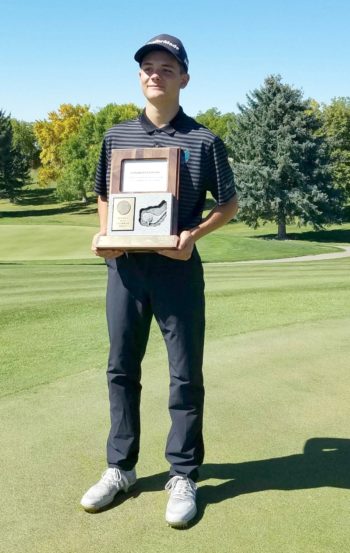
x=168, y=43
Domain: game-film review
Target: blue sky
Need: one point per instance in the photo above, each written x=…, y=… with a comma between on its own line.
x=82, y=51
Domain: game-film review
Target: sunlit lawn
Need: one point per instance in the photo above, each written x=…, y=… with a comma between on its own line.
x=63, y=231
x=277, y=381
x=276, y=474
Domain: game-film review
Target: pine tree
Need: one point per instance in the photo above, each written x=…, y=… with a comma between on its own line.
x=14, y=170
x=281, y=167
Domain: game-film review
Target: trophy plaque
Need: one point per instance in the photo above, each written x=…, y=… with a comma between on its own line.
x=143, y=200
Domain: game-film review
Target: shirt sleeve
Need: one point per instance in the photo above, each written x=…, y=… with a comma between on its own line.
x=101, y=172
x=221, y=181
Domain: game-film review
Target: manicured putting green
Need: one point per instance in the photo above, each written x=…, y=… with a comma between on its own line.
x=276, y=475
x=47, y=242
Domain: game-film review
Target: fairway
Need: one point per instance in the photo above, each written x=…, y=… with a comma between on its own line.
x=48, y=242
x=276, y=473
x=42, y=229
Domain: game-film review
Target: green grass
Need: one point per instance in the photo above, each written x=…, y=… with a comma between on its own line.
x=277, y=381
x=276, y=474
x=49, y=242
x=40, y=228
x=62, y=306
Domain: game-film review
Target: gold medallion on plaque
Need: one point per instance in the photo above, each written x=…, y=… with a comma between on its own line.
x=123, y=213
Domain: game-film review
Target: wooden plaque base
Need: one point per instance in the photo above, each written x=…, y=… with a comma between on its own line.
x=137, y=242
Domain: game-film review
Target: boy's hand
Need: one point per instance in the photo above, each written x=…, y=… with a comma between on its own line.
x=102, y=252
x=184, y=248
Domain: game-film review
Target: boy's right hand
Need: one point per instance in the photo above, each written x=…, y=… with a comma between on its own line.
x=103, y=252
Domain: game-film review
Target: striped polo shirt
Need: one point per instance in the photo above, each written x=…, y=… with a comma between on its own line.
x=204, y=164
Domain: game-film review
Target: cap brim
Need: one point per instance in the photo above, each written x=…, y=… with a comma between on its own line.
x=140, y=54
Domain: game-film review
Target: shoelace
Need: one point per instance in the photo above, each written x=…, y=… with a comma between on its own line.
x=112, y=476
x=181, y=488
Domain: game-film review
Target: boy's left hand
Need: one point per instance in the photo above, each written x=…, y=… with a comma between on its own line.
x=184, y=248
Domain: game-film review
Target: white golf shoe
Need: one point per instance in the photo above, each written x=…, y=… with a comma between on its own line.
x=113, y=480
x=181, y=506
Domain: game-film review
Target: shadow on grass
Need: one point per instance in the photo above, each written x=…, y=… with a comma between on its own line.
x=75, y=208
x=324, y=462
x=337, y=235
x=46, y=196
x=37, y=196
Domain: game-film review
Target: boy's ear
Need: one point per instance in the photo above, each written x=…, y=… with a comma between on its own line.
x=184, y=80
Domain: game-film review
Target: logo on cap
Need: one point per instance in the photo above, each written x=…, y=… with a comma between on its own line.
x=167, y=42
x=158, y=41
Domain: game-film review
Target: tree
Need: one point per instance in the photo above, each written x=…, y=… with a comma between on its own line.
x=73, y=182
x=112, y=114
x=51, y=134
x=14, y=167
x=336, y=126
x=25, y=141
x=79, y=162
x=281, y=165
x=79, y=152
x=220, y=124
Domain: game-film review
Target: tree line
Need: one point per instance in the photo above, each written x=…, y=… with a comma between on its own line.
x=290, y=155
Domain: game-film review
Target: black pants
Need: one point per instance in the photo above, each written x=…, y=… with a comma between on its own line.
x=141, y=285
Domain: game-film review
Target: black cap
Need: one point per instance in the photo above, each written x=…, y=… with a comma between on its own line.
x=168, y=43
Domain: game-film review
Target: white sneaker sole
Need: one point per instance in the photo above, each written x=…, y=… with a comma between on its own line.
x=182, y=523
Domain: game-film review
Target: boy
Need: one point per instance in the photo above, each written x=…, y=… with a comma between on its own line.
x=167, y=284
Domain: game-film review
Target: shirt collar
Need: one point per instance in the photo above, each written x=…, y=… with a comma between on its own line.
x=173, y=126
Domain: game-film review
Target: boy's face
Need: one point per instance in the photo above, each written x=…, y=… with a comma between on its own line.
x=162, y=77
